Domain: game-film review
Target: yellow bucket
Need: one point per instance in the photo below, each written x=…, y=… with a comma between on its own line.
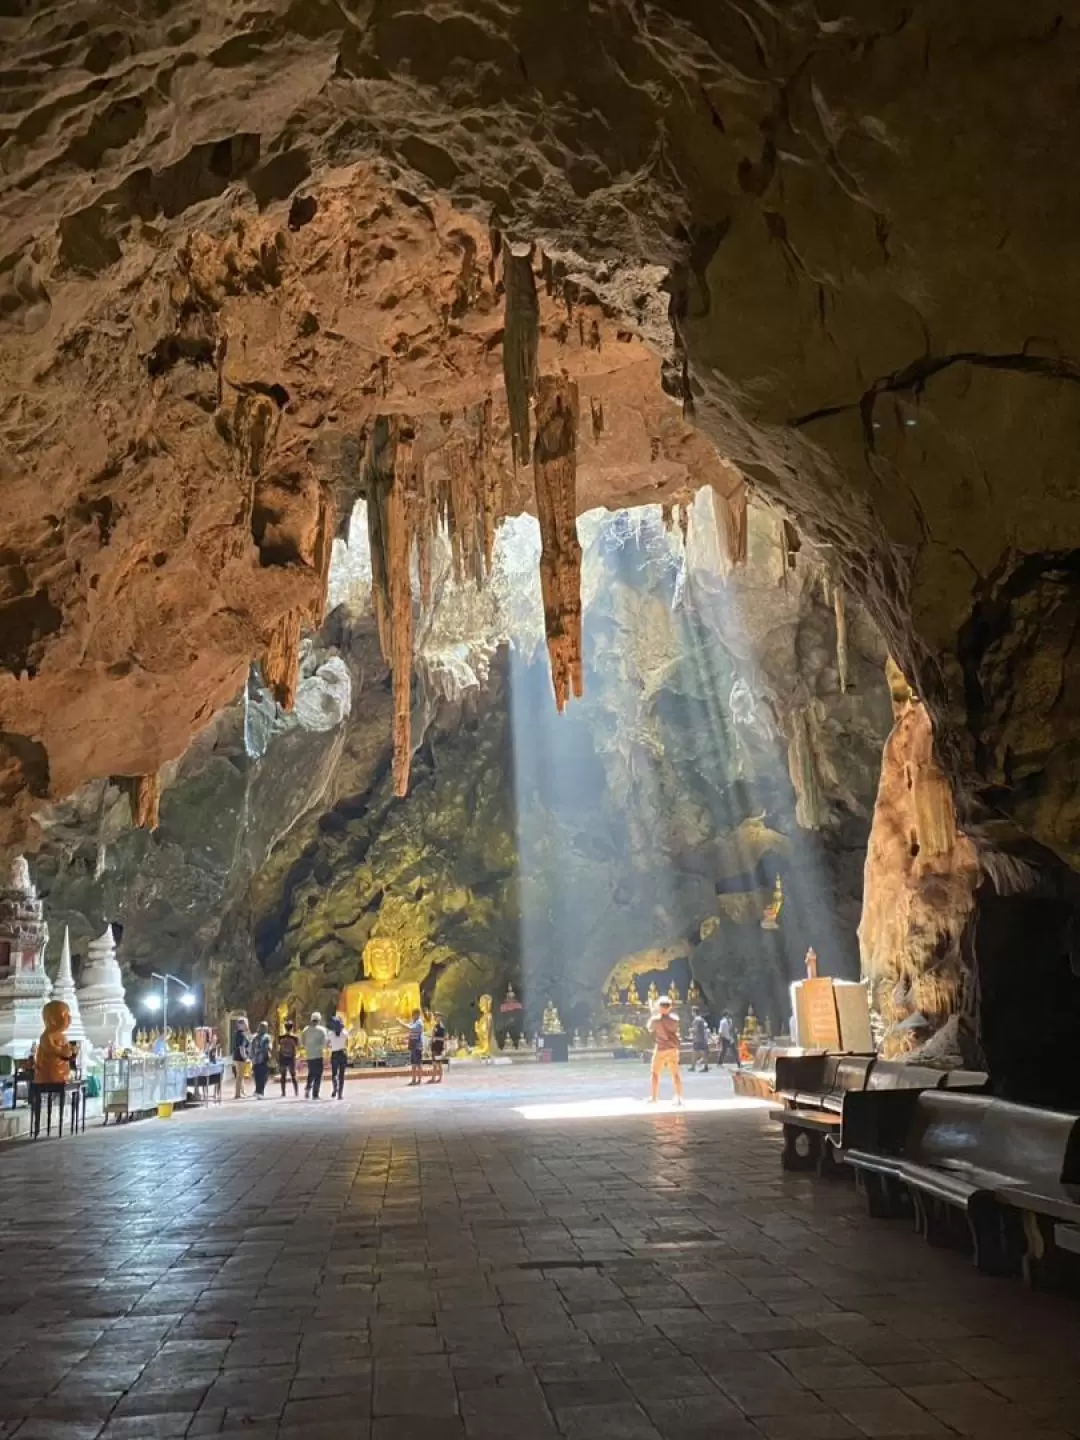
x=164, y=1110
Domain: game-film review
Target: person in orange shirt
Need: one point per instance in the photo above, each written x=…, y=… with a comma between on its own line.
x=664, y=1025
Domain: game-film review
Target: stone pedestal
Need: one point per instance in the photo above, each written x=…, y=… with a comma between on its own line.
x=105, y=1015
x=24, y=984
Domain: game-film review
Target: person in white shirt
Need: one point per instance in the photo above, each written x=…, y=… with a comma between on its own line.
x=339, y=1057
x=415, y=1027
x=314, y=1043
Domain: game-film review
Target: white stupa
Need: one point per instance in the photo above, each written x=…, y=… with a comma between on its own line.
x=64, y=989
x=105, y=1015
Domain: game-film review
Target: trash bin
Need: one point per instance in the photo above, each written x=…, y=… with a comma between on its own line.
x=165, y=1110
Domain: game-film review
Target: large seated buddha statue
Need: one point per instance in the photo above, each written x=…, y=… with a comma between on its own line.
x=376, y=1003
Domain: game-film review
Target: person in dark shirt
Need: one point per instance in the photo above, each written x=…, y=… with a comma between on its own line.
x=287, y=1047
x=415, y=1027
x=699, y=1040
x=240, y=1056
x=438, y=1050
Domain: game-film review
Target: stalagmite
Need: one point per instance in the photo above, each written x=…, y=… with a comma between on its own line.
x=731, y=524
x=840, y=611
x=146, y=801
x=281, y=665
x=555, y=476
x=521, y=341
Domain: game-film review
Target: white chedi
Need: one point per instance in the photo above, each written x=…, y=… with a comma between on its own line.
x=64, y=989
x=105, y=1015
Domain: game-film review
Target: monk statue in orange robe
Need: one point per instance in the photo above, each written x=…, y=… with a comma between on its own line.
x=55, y=1053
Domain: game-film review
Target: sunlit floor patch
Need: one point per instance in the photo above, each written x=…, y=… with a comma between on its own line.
x=616, y=1105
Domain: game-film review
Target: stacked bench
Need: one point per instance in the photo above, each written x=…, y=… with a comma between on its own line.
x=815, y=1089
x=1004, y=1176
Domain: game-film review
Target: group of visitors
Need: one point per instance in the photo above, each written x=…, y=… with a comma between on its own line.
x=316, y=1039
x=663, y=1025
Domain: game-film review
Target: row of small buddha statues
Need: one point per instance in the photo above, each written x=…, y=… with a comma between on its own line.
x=631, y=997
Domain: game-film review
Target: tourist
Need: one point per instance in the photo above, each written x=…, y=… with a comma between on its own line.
x=665, y=1031
x=314, y=1043
x=260, y=1059
x=415, y=1027
x=438, y=1049
x=240, y=1055
x=287, y=1046
x=339, y=1056
x=728, y=1040
x=699, y=1040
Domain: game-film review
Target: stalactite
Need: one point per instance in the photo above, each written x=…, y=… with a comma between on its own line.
x=324, y=549
x=281, y=664
x=731, y=524
x=840, y=611
x=932, y=799
x=521, y=342
x=667, y=514
x=392, y=496
x=802, y=767
x=555, y=476
x=146, y=801
x=684, y=521
x=491, y=488
x=596, y=410
x=464, y=509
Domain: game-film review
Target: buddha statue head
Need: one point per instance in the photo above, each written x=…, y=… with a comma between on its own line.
x=382, y=962
x=56, y=1017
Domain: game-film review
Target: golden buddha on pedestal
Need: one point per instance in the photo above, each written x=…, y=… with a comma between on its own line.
x=484, y=1030
x=376, y=1003
x=632, y=996
x=55, y=1053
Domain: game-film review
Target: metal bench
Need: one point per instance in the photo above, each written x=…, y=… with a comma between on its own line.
x=1011, y=1172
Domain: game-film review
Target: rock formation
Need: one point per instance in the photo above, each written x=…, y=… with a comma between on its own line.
x=918, y=895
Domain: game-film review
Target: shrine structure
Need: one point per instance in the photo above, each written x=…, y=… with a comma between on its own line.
x=24, y=983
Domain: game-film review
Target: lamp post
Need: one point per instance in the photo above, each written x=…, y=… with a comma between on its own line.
x=187, y=997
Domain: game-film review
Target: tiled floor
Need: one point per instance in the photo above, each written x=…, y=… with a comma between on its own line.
x=523, y=1253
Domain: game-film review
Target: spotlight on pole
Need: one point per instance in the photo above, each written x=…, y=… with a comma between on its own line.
x=152, y=1001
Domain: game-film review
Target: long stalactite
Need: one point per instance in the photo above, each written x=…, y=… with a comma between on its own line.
x=730, y=509
x=555, y=477
x=146, y=801
x=521, y=343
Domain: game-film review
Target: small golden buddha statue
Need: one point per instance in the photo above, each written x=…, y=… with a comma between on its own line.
x=693, y=995
x=632, y=996
x=652, y=995
x=376, y=1003
x=551, y=1024
x=614, y=996
x=55, y=1053
x=770, y=920
x=484, y=1029
x=673, y=991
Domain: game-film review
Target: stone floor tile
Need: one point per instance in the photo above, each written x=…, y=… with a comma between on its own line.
x=605, y=1422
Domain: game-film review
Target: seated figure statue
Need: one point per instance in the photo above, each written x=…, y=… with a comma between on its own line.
x=376, y=1003
x=55, y=1053
x=484, y=1029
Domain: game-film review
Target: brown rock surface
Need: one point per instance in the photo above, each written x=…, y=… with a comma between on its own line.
x=919, y=884
x=877, y=291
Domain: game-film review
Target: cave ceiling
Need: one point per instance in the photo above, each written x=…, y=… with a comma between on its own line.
x=866, y=222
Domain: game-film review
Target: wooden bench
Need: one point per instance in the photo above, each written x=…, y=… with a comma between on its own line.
x=1012, y=1172
x=815, y=1088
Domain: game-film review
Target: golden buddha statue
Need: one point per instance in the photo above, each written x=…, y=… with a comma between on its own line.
x=376, y=1003
x=770, y=920
x=673, y=991
x=693, y=995
x=632, y=996
x=551, y=1024
x=55, y=1053
x=614, y=996
x=484, y=1029
x=652, y=995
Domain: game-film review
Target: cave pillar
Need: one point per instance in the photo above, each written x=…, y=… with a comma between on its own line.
x=555, y=476
x=918, y=888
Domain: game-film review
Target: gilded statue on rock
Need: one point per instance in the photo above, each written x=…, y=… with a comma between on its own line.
x=376, y=1003
x=55, y=1054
